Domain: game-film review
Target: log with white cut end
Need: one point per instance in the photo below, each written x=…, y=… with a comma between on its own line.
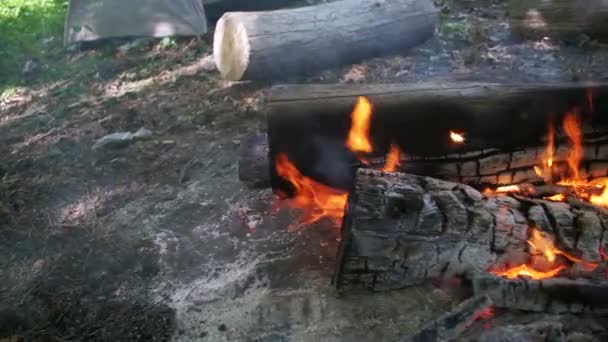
x=292, y=42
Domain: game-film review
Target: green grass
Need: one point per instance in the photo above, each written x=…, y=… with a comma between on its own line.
x=24, y=24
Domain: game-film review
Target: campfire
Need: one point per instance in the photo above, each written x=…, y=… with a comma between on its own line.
x=522, y=221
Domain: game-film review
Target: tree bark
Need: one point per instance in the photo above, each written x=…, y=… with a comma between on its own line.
x=279, y=44
x=401, y=230
x=557, y=295
x=562, y=19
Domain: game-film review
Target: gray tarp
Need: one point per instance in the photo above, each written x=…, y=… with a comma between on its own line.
x=89, y=20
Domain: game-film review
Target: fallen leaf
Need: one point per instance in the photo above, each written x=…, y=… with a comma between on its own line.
x=356, y=74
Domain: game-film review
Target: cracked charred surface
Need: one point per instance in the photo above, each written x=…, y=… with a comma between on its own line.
x=402, y=230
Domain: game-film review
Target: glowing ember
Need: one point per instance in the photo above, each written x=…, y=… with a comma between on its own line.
x=507, y=189
x=314, y=199
x=484, y=314
x=392, y=159
x=526, y=271
x=358, y=136
x=572, y=128
x=457, y=138
x=556, y=198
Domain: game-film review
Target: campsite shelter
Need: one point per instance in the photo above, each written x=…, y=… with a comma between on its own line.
x=92, y=20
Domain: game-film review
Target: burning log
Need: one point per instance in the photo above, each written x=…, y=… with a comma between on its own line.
x=556, y=295
x=490, y=167
x=562, y=19
x=278, y=44
x=451, y=325
x=497, y=123
x=401, y=230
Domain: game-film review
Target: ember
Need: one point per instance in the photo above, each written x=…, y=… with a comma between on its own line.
x=457, y=138
x=392, y=159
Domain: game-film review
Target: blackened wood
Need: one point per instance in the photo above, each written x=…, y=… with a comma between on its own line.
x=402, y=230
x=500, y=123
x=482, y=167
x=555, y=295
x=277, y=45
x=451, y=325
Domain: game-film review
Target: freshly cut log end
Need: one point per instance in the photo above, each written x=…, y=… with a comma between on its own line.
x=271, y=45
x=231, y=47
x=557, y=295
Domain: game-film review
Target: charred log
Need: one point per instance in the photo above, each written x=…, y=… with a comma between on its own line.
x=499, y=121
x=451, y=325
x=556, y=295
x=401, y=230
x=279, y=44
x=562, y=19
x=489, y=167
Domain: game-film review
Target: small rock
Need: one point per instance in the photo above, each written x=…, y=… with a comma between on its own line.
x=222, y=327
x=38, y=266
x=121, y=139
x=203, y=334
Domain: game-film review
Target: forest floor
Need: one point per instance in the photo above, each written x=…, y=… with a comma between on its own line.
x=158, y=240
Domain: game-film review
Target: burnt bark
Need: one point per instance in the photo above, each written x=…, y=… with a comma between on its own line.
x=402, y=230
x=555, y=295
x=272, y=45
x=481, y=167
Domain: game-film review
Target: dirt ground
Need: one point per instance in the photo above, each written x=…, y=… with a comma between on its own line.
x=158, y=240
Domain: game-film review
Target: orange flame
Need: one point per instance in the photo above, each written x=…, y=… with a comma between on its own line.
x=542, y=244
x=457, y=138
x=314, y=199
x=527, y=271
x=392, y=159
x=572, y=128
x=358, y=136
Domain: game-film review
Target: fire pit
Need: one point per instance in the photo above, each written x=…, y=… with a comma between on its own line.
x=503, y=187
